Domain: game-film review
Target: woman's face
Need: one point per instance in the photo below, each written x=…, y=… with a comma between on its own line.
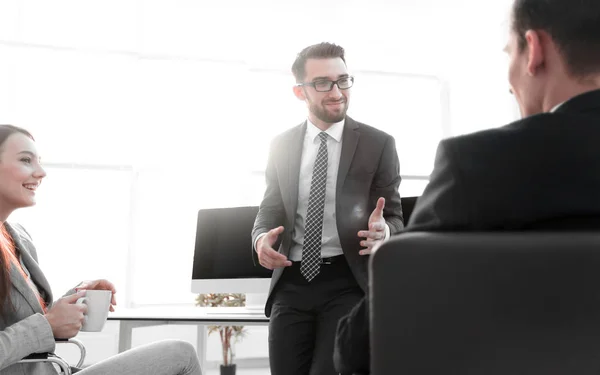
x=20, y=173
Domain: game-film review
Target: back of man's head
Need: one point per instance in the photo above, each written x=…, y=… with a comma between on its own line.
x=573, y=25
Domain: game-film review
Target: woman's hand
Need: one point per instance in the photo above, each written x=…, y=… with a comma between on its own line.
x=66, y=317
x=100, y=284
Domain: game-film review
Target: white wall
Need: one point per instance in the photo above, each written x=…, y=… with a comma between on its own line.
x=138, y=96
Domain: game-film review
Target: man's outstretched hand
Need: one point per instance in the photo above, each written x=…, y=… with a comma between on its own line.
x=267, y=256
x=374, y=236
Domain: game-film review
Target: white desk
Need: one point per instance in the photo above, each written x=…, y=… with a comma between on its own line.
x=198, y=316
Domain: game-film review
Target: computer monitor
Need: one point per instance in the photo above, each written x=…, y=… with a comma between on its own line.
x=223, y=254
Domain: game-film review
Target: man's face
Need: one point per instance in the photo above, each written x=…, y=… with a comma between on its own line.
x=325, y=108
x=526, y=86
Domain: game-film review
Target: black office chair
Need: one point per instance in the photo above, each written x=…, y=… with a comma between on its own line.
x=486, y=303
x=63, y=365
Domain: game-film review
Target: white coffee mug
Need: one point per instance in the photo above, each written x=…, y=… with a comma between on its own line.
x=98, y=303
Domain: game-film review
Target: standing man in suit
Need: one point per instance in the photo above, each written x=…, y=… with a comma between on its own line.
x=332, y=191
x=539, y=173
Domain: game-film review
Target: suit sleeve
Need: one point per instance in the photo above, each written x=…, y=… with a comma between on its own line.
x=271, y=212
x=30, y=335
x=386, y=184
x=443, y=204
x=351, y=349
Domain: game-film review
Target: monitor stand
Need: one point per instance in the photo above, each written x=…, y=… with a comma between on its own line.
x=255, y=305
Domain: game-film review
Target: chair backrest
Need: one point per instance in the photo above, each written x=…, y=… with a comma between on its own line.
x=486, y=303
x=408, y=205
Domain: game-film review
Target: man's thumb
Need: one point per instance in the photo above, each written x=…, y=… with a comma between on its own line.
x=380, y=205
x=274, y=233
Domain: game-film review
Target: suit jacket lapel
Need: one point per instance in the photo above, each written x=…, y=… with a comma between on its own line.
x=294, y=156
x=35, y=273
x=37, y=276
x=23, y=287
x=350, y=138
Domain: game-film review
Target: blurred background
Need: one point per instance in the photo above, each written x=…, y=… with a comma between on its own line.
x=146, y=111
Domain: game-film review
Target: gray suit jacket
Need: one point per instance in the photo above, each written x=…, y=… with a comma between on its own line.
x=24, y=329
x=369, y=169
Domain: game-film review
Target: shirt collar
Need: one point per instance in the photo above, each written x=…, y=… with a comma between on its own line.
x=556, y=107
x=335, y=131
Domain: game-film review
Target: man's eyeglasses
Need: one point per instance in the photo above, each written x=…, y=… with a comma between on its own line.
x=325, y=85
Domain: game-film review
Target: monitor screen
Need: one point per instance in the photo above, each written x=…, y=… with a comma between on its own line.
x=224, y=245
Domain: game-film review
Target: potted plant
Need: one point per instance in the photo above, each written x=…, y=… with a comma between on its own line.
x=229, y=334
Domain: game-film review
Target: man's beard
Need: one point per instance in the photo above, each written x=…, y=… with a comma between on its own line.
x=328, y=117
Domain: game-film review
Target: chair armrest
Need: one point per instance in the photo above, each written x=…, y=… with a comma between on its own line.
x=48, y=357
x=53, y=358
x=77, y=343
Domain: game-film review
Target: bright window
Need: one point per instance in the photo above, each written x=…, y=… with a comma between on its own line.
x=147, y=111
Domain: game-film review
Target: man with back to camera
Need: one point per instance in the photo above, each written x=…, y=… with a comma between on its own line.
x=332, y=192
x=538, y=173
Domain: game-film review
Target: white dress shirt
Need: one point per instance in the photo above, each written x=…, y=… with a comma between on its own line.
x=330, y=245
x=556, y=107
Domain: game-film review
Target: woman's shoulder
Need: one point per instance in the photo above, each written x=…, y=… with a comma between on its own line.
x=18, y=230
x=22, y=239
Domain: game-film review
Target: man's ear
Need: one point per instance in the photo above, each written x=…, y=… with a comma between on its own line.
x=299, y=92
x=535, y=51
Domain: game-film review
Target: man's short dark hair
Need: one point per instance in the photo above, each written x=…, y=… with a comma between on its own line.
x=574, y=26
x=317, y=51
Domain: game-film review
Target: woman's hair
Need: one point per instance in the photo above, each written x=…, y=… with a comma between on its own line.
x=8, y=130
x=6, y=243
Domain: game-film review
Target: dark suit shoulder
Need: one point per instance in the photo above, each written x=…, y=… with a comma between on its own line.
x=533, y=169
x=368, y=129
x=542, y=133
x=499, y=134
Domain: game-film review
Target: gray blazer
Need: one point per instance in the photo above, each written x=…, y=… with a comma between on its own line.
x=369, y=169
x=24, y=329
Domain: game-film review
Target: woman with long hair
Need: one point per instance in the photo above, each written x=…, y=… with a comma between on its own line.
x=29, y=318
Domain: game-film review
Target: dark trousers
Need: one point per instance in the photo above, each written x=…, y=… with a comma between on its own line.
x=305, y=315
